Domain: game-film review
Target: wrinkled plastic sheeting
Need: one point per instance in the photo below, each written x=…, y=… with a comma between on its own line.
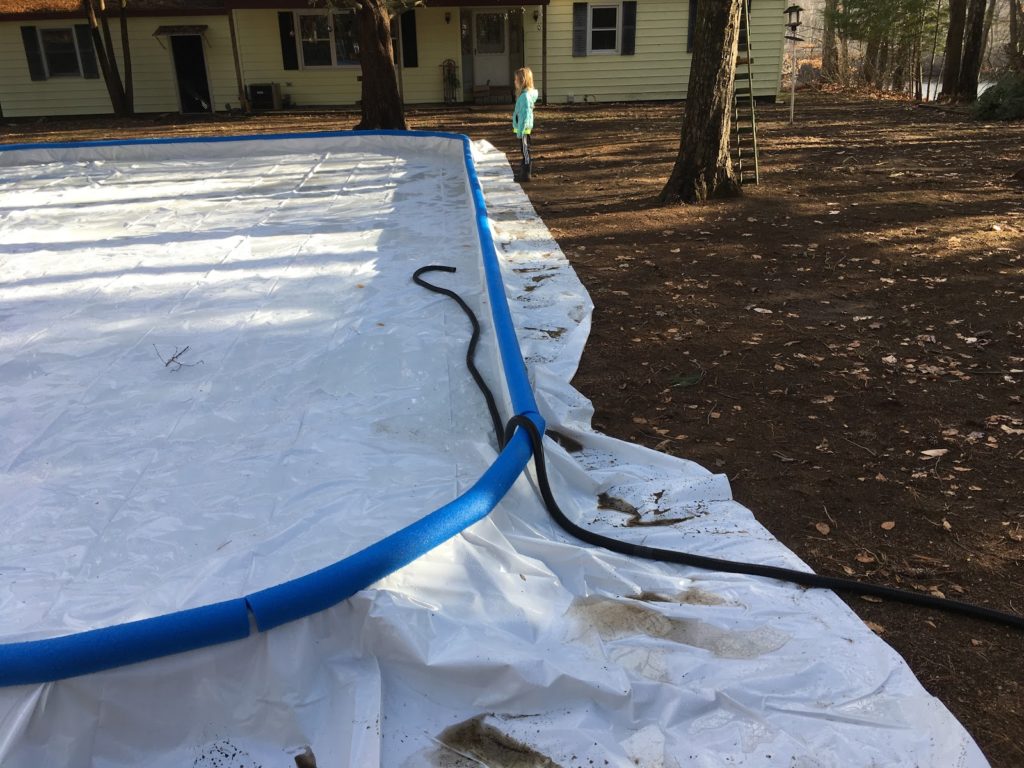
x=213, y=363
x=512, y=644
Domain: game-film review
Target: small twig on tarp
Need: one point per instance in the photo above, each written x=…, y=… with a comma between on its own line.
x=175, y=359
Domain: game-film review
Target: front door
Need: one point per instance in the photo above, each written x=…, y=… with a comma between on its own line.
x=490, y=49
x=190, y=68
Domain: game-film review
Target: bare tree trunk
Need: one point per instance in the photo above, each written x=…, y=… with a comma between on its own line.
x=954, y=47
x=871, y=53
x=990, y=13
x=108, y=41
x=1016, y=44
x=970, y=66
x=703, y=168
x=126, y=56
x=899, y=68
x=110, y=74
x=829, y=45
x=381, y=101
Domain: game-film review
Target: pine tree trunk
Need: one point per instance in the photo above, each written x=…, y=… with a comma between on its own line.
x=954, y=47
x=381, y=101
x=970, y=65
x=829, y=46
x=703, y=168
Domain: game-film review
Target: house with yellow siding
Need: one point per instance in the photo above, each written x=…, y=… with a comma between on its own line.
x=196, y=56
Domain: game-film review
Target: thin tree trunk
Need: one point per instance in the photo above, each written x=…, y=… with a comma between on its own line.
x=126, y=56
x=381, y=101
x=110, y=76
x=935, y=44
x=703, y=168
x=970, y=66
x=954, y=47
x=829, y=45
x=844, y=59
x=1016, y=45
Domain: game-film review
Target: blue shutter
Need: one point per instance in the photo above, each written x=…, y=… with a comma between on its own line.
x=579, y=29
x=628, y=47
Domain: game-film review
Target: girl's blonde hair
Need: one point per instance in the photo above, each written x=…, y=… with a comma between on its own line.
x=524, y=79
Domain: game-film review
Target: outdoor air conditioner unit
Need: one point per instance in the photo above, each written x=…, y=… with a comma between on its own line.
x=265, y=96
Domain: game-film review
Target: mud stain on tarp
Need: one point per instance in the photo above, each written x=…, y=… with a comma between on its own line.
x=614, y=620
x=690, y=597
x=570, y=444
x=224, y=754
x=636, y=520
x=477, y=742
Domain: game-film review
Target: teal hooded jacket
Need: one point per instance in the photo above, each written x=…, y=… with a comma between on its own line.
x=522, y=117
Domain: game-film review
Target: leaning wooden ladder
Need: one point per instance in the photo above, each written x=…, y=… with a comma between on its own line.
x=744, y=122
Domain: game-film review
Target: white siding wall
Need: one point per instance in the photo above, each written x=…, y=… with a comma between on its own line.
x=259, y=48
x=153, y=71
x=436, y=41
x=660, y=68
x=20, y=96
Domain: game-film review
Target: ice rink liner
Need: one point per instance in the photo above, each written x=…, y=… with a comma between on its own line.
x=509, y=633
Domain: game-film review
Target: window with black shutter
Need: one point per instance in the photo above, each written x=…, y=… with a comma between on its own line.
x=604, y=28
x=59, y=52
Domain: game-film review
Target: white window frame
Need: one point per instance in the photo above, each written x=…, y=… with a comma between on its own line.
x=46, y=61
x=333, y=43
x=591, y=51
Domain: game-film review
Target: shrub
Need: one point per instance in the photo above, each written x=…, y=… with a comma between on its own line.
x=1003, y=101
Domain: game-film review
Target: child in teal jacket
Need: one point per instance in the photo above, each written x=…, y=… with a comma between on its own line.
x=522, y=117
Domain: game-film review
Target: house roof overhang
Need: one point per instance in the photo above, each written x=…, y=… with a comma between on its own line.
x=37, y=10
x=283, y=4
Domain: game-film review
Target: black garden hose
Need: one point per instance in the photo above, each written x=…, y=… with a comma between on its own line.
x=803, y=578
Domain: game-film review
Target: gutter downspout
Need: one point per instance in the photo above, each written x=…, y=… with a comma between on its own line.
x=243, y=98
x=544, y=54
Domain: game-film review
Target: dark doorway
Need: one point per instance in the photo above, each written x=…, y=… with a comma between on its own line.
x=190, y=67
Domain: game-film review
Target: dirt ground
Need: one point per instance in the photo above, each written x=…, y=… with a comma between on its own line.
x=845, y=342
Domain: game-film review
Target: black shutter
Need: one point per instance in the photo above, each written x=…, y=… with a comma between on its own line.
x=579, y=29
x=289, y=45
x=410, y=54
x=86, y=52
x=36, y=68
x=691, y=24
x=628, y=47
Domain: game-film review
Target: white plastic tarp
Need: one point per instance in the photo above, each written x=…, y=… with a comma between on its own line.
x=323, y=403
